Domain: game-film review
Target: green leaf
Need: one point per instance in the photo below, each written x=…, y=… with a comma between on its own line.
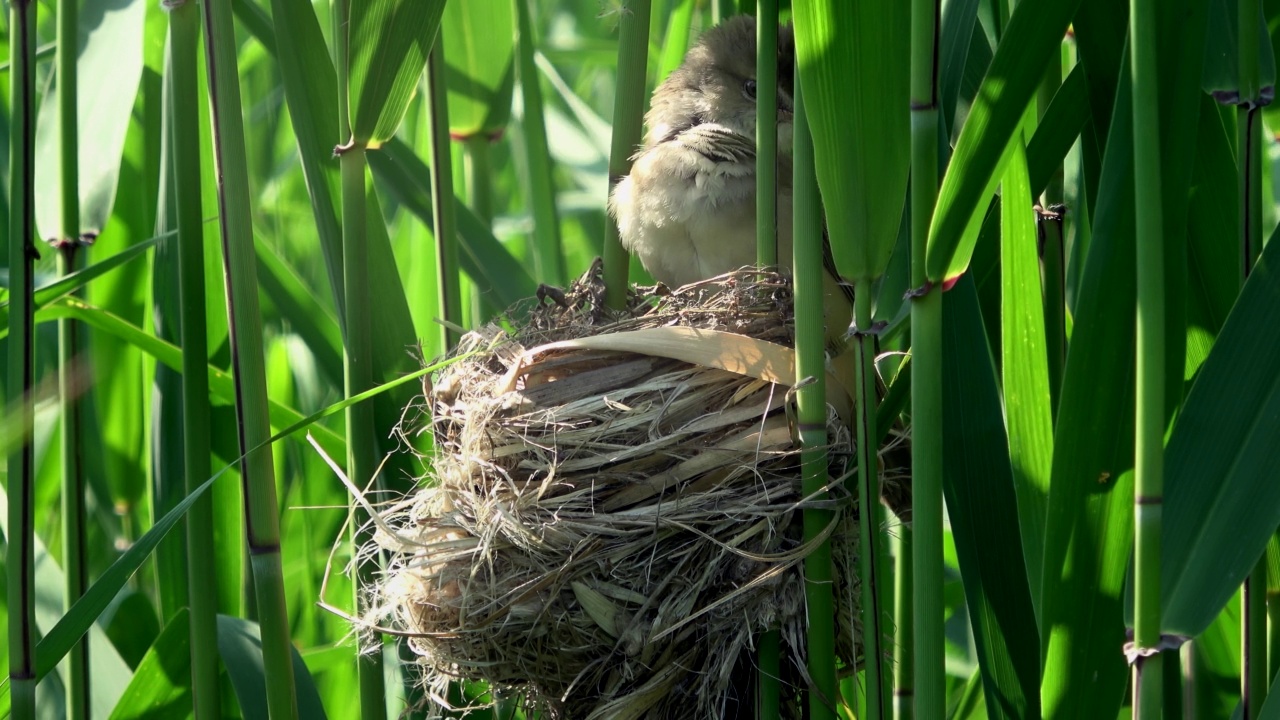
x=501, y=279
x=161, y=686
x=1213, y=229
x=479, y=65
x=957, y=42
x=853, y=59
x=54, y=288
x=1222, y=70
x=108, y=68
x=978, y=483
x=109, y=669
x=1089, y=519
x=1222, y=502
x=311, y=91
x=1032, y=38
x=1025, y=362
x=55, y=645
x=220, y=382
x=390, y=41
x=240, y=644
x=1058, y=129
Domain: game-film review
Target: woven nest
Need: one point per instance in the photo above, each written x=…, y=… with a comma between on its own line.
x=604, y=533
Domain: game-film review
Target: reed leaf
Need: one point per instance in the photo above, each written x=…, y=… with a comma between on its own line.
x=480, y=66
x=1032, y=37
x=1222, y=504
x=1024, y=361
x=853, y=60
x=980, y=483
x=109, y=51
x=390, y=40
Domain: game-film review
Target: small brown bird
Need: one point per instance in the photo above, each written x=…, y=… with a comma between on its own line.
x=688, y=208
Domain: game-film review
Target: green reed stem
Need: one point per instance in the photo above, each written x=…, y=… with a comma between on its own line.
x=548, y=261
x=628, y=117
x=262, y=522
x=930, y=699
x=811, y=417
x=769, y=698
x=767, y=132
x=358, y=375
x=356, y=366
x=869, y=515
x=442, y=197
x=903, y=705
x=184, y=28
x=20, y=557
x=1149, y=438
x=75, y=574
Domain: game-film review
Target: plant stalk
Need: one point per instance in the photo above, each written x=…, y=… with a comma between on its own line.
x=1254, y=677
x=926, y=374
x=766, y=132
x=811, y=416
x=628, y=117
x=357, y=370
x=548, y=261
x=768, y=702
x=75, y=574
x=20, y=557
x=262, y=524
x=870, y=515
x=184, y=28
x=1149, y=434
x=903, y=701
x=442, y=198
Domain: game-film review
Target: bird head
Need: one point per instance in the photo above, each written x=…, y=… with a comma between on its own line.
x=717, y=83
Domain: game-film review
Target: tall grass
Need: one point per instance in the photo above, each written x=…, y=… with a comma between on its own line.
x=1037, y=443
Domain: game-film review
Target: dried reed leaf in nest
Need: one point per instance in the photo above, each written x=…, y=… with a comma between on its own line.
x=606, y=525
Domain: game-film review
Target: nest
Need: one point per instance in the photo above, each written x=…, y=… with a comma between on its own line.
x=604, y=532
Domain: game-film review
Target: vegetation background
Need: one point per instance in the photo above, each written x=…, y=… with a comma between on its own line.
x=337, y=266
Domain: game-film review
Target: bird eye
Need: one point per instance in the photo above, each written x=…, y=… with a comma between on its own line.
x=749, y=87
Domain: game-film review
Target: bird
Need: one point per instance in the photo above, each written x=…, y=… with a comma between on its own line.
x=687, y=208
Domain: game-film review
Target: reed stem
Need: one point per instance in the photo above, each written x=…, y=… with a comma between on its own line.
x=184, y=28
x=628, y=117
x=1149, y=435
x=262, y=524
x=926, y=374
x=20, y=557
x=811, y=412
